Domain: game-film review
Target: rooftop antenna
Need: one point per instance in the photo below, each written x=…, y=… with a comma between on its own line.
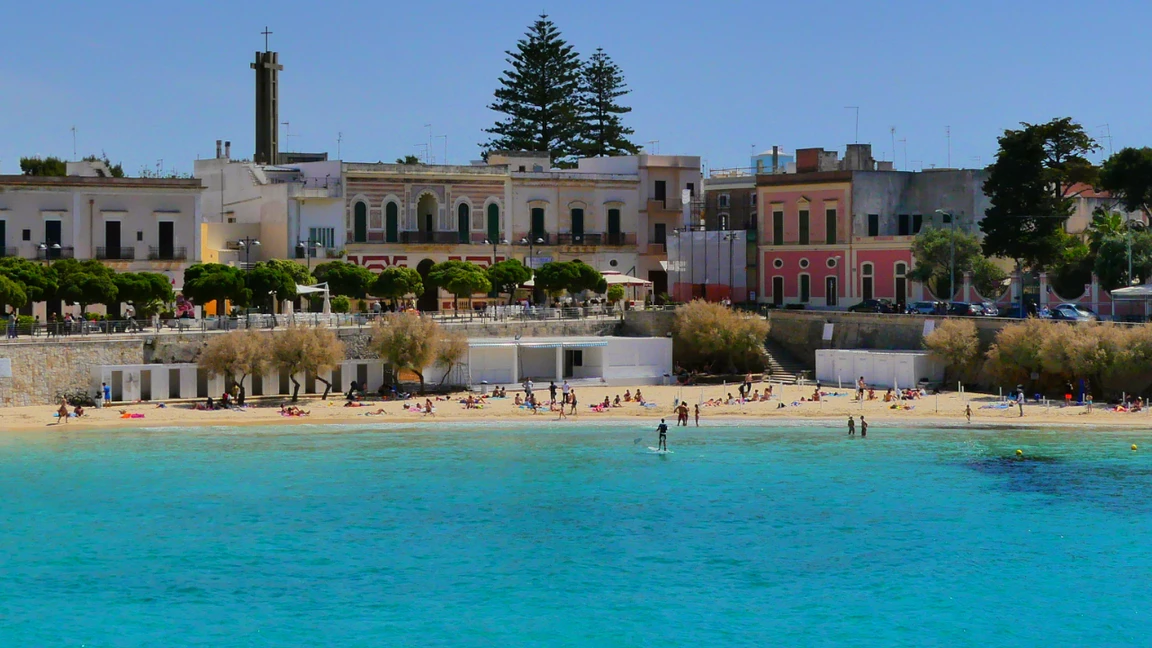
x=948, y=136
x=892, y=132
x=428, y=151
x=73, y=142
x=1106, y=127
x=339, y=139
x=288, y=133
x=656, y=148
x=979, y=161
x=425, y=147
x=904, y=141
x=857, y=109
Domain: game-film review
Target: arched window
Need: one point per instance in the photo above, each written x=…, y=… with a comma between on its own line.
x=391, y=223
x=360, y=223
x=866, y=288
x=493, y=222
x=901, y=284
x=463, y=221
x=577, y=218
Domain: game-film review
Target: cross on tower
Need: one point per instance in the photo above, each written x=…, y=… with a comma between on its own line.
x=266, y=34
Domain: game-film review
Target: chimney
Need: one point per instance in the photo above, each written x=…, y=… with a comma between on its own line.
x=775, y=158
x=218, y=143
x=228, y=150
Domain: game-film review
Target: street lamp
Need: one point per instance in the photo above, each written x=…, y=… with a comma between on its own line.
x=248, y=243
x=730, y=237
x=531, y=243
x=306, y=248
x=49, y=249
x=495, y=291
x=951, y=254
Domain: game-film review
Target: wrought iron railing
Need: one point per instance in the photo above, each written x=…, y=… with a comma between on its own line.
x=116, y=253
x=53, y=253
x=167, y=253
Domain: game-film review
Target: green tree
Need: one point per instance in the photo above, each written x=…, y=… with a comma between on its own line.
x=345, y=278
x=395, y=283
x=84, y=283
x=37, y=280
x=615, y=294
x=146, y=291
x=555, y=277
x=275, y=279
x=340, y=304
x=117, y=170
x=461, y=278
x=49, y=166
x=1031, y=190
x=601, y=87
x=508, y=275
x=408, y=159
x=215, y=282
x=539, y=96
x=1110, y=262
x=1127, y=175
x=12, y=293
x=932, y=251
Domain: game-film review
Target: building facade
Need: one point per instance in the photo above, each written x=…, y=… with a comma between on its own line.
x=830, y=239
x=130, y=224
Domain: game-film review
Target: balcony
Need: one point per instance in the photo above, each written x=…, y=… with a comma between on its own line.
x=580, y=239
x=315, y=188
x=8, y=251
x=51, y=254
x=619, y=238
x=116, y=253
x=167, y=253
x=432, y=238
x=673, y=205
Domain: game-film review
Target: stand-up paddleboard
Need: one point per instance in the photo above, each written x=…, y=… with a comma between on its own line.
x=659, y=451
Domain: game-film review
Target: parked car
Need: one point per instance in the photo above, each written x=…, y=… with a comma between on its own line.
x=965, y=309
x=990, y=309
x=922, y=308
x=1072, y=313
x=873, y=306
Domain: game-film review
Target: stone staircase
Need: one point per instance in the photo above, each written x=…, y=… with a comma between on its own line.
x=783, y=366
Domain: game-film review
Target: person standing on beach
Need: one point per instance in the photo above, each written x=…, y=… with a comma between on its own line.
x=1088, y=401
x=860, y=389
x=107, y=394
x=564, y=390
x=527, y=388
x=62, y=413
x=552, y=393
x=697, y=414
x=863, y=427
x=1020, y=398
x=682, y=414
x=852, y=425
x=662, y=442
x=968, y=412
x=572, y=397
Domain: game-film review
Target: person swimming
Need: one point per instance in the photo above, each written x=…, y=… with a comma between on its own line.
x=662, y=443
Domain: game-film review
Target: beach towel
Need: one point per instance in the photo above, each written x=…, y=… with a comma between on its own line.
x=996, y=406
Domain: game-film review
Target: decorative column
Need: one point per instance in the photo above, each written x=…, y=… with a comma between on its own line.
x=560, y=362
x=1043, y=290
x=968, y=294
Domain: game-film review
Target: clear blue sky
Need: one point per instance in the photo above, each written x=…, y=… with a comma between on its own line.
x=145, y=81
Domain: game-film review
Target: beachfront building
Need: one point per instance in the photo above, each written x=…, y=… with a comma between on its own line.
x=295, y=210
x=838, y=232
x=130, y=224
x=611, y=213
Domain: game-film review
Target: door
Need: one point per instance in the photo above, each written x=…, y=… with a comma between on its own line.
x=362, y=375
x=901, y=292
x=173, y=383
x=537, y=223
x=614, y=237
x=805, y=288
x=830, y=226
x=577, y=225
x=111, y=239
x=778, y=291
x=778, y=228
x=804, y=229
x=830, y=296
x=257, y=384
x=201, y=383
x=117, y=386
x=866, y=288
x=391, y=223
x=360, y=223
x=660, y=234
x=493, y=223
x=659, y=279
x=661, y=191
x=146, y=385
x=167, y=239
x=462, y=217
x=52, y=237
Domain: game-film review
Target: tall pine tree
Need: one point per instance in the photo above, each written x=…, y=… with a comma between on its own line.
x=604, y=132
x=539, y=96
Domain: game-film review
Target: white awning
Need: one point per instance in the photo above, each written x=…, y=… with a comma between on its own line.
x=610, y=277
x=308, y=290
x=1133, y=293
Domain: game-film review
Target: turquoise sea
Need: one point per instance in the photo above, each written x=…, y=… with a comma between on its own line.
x=574, y=535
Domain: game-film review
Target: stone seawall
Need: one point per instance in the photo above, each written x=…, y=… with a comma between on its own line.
x=42, y=369
x=802, y=333
x=648, y=323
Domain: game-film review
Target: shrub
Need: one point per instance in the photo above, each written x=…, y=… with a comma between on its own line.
x=1015, y=355
x=954, y=344
x=711, y=337
x=340, y=304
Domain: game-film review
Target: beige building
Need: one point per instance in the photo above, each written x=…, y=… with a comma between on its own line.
x=612, y=213
x=131, y=224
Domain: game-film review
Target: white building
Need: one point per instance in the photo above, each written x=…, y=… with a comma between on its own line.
x=131, y=224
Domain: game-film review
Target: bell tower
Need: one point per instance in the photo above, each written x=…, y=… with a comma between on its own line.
x=267, y=68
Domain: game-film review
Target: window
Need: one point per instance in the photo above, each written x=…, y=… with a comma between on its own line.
x=917, y=223
x=830, y=291
x=139, y=235
x=724, y=201
x=866, y=291
x=360, y=223
x=805, y=288
x=463, y=222
x=660, y=234
x=537, y=223
x=778, y=291
x=778, y=263
x=873, y=224
x=803, y=227
x=325, y=236
x=493, y=222
x=660, y=191
x=26, y=235
x=831, y=262
x=903, y=225
x=692, y=189
x=577, y=218
x=777, y=228
x=391, y=223
x=901, y=284
x=830, y=226
x=752, y=199
x=803, y=263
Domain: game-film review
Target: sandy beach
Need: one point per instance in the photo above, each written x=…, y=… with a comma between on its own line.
x=834, y=408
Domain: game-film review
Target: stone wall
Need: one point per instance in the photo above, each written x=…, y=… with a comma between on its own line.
x=648, y=323
x=41, y=369
x=801, y=333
